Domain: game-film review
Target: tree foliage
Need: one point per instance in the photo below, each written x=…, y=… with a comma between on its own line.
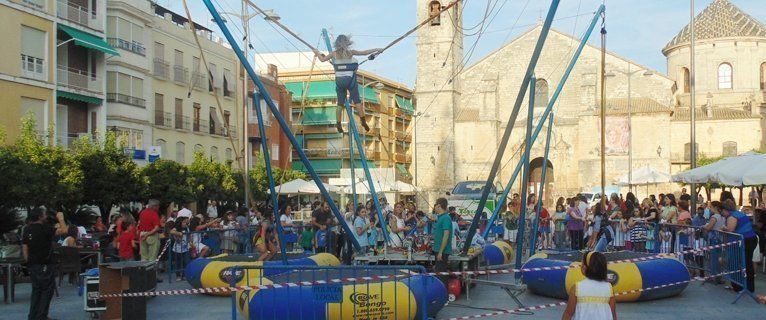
x=210, y=180
x=168, y=181
x=110, y=176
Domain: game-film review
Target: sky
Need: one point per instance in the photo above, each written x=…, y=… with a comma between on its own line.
x=637, y=29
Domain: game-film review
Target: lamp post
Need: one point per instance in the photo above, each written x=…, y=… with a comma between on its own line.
x=692, y=107
x=415, y=143
x=245, y=17
x=629, y=74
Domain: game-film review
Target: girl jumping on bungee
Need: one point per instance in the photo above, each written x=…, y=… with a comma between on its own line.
x=345, y=65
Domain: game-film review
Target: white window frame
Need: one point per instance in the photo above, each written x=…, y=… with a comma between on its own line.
x=725, y=77
x=35, y=67
x=132, y=91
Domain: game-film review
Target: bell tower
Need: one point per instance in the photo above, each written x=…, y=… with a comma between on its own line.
x=437, y=90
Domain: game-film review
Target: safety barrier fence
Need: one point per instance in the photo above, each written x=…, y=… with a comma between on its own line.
x=361, y=277
x=402, y=295
x=563, y=303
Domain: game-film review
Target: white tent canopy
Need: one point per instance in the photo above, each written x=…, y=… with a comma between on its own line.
x=290, y=187
x=310, y=187
x=382, y=187
x=644, y=176
x=745, y=170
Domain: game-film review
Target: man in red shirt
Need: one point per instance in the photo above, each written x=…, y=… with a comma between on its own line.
x=148, y=228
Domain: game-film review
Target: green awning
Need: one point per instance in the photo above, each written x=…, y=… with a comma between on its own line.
x=84, y=39
x=321, y=166
x=358, y=163
x=319, y=116
x=369, y=94
x=320, y=90
x=317, y=90
x=405, y=104
x=78, y=97
x=318, y=136
x=402, y=169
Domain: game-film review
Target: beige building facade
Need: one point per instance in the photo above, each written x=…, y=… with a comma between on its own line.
x=184, y=112
x=647, y=122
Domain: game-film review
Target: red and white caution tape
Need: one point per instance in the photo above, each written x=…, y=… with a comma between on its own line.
x=164, y=249
x=563, y=303
x=389, y=277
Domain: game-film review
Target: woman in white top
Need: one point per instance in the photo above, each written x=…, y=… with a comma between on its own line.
x=345, y=66
x=398, y=228
x=591, y=298
x=286, y=220
x=71, y=239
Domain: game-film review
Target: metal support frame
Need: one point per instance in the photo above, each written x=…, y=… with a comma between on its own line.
x=280, y=119
x=269, y=174
x=546, y=113
x=354, y=136
x=541, y=193
x=525, y=176
x=511, y=120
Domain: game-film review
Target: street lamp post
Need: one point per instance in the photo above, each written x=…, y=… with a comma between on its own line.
x=629, y=74
x=245, y=17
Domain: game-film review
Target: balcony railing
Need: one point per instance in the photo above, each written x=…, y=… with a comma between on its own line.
x=78, y=79
x=405, y=158
x=164, y=119
x=36, y=4
x=34, y=68
x=132, y=46
x=200, y=126
x=126, y=99
x=199, y=80
x=220, y=130
x=182, y=122
x=161, y=68
x=79, y=14
x=180, y=74
x=403, y=136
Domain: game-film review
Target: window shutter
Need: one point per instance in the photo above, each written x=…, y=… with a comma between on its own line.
x=32, y=42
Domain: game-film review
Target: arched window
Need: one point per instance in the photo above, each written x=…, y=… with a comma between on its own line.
x=198, y=148
x=687, y=80
x=433, y=10
x=163, y=146
x=180, y=152
x=763, y=76
x=729, y=149
x=688, y=150
x=214, y=154
x=725, y=76
x=541, y=93
x=228, y=153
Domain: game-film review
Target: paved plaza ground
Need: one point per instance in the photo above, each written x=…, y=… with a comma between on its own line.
x=698, y=301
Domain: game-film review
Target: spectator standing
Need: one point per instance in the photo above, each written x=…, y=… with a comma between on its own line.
x=148, y=228
x=442, y=237
x=212, y=210
x=576, y=223
x=592, y=298
x=740, y=223
x=181, y=247
x=126, y=242
x=361, y=230
x=184, y=212
x=37, y=245
x=559, y=226
x=320, y=220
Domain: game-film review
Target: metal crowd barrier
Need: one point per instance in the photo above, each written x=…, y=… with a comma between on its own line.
x=313, y=294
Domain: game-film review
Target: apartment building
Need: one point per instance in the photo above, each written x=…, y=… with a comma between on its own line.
x=52, y=66
x=280, y=148
x=185, y=114
x=27, y=78
x=388, y=106
x=129, y=75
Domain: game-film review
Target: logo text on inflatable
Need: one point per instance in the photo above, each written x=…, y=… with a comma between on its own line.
x=231, y=274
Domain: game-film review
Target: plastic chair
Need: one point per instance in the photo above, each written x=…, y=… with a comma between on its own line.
x=69, y=263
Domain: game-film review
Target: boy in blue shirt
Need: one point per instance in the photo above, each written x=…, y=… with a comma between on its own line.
x=442, y=233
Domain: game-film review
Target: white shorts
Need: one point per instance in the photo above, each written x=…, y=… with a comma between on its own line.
x=510, y=235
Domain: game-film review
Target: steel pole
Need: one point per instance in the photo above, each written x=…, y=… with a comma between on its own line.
x=525, y=177
x=692, y=107
x=245, y=114
x=630, y=135
x=603, y=109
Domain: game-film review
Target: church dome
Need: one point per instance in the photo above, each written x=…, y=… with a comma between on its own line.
x=720, y=20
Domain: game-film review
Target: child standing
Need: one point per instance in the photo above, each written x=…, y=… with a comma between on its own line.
x=592, y=298
x=560, y=226
x=307, y=239
x=180, y=234
x=126, y=241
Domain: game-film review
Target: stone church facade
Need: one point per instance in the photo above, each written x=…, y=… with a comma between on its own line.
x=462, y=120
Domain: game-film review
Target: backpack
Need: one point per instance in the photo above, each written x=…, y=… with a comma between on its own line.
x=321, y=238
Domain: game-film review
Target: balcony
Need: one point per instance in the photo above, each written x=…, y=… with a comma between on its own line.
x=163, y=119
x=403, y=158
x=132, y=46
x=199, y=80
x=403, y=136
x=200, y=126
x=223, y=131
x=80, y=15
x=182, y=122
x=78, y=79
x=180, y=74
x=33, y=68
x=125, y=99
x=161, y=68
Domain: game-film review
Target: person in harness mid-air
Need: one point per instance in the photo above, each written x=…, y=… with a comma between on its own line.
x=345, y=66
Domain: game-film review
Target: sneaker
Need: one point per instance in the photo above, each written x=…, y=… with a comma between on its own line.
x=339, y=127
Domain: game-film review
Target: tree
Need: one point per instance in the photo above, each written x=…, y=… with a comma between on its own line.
x=260, y=182
x=211, y=180
x=38, y=174
x=168, y=182
x=110, y=177
x=9, y=219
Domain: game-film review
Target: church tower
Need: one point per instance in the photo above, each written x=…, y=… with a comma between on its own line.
x=437, y=90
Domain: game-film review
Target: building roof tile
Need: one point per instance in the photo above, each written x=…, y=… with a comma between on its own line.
x=721, y=19
x=682, y=114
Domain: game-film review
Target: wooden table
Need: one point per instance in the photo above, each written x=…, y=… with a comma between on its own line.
x=8, y=264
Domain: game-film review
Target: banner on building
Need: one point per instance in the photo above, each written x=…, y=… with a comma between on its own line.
x=155, y=152
x=617, y=135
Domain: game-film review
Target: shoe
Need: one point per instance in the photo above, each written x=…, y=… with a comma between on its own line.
x=364, y=124
x=339, y=127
